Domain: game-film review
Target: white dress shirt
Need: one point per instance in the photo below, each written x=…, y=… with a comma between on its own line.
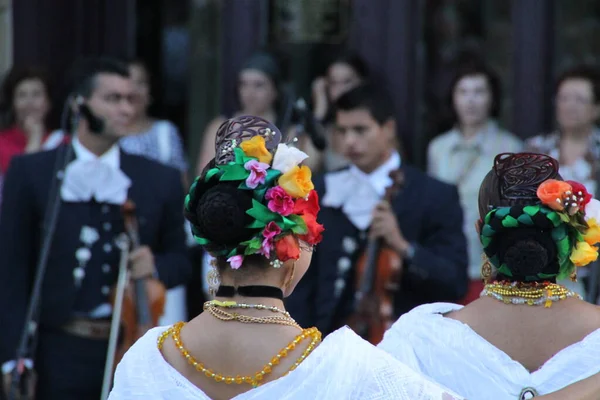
x=100, y=177
x=357, y=192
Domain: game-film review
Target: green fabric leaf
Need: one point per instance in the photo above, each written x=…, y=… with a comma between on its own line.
x=261, y=213
x=502, y=212
x=234, y=172
x=487, y=231
x=187, y=201
x=488, y=217
x=272, y=174
x=239, y=155
x=531, y=210
x=554, y=218
x=210, y=173
x=559, y=233
x=504, y=270
x=485, y=241
x=525, y=219
x=252, y=245
x=545, y=276
x=298, y=226
x=564, y=217
x=256, y=225
x=201, y=241
x=259, y=193
x=510, y=222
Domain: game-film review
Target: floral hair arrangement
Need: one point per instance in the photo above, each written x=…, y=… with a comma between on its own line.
x=567, y=210
x=284, y=202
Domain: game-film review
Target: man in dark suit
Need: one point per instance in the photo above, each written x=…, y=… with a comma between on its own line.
x=422, y=224
x=83, y=263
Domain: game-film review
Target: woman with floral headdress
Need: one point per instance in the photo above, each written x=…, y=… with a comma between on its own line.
x=526, y=335
x=255, y=210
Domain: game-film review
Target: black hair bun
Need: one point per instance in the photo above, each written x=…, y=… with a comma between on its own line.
x=219, y=215
x=528, y=252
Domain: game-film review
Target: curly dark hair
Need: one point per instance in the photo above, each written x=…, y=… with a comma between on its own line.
x=16, y=76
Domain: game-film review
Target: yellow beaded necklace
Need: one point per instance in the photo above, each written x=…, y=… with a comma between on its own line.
x=532, y=294
x=255, y=380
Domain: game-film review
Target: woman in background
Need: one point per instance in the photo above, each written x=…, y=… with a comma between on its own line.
x=463, y=155
x=258, y=92
x=25, y=103
x=345, y=72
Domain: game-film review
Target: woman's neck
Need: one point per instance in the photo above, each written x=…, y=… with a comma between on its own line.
x=140, y=124
x=471, y=130
x=577, y=135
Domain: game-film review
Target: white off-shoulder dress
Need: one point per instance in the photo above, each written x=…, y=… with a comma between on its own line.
x=343, y=366
x=452, y=354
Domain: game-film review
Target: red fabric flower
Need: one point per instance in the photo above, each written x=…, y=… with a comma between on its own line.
x=287, y=248
x=308, y=206
x=579, y=188
x=315, y=230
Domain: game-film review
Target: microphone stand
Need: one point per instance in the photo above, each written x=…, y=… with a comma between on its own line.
x=28, y=341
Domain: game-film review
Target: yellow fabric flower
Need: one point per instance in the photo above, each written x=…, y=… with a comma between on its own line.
x=256, y=148
x=583, y=254
x=297, y=181
x=592, y=236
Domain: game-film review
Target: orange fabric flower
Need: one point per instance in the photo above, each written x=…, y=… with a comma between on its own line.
x=297, y=181
x=256, y=148
x=287, y=248
x=552, y=192
x=315, y=230
x=592, y=236
x=583, y=254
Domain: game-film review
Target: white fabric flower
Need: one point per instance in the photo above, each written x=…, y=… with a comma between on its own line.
x=592, y=210
x=287, y=158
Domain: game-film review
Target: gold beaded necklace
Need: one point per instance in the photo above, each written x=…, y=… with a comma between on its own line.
x=214, y=308
x=255, y=380
x=532, y=294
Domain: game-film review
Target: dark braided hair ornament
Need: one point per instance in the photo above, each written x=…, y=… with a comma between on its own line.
x=521, y=179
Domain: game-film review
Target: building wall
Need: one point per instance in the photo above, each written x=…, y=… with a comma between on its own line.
x=6, y=51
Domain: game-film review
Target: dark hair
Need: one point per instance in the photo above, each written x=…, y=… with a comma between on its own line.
x=83, y=74
x=13, y=79
x=526, y=250
x=476, y=67
x=585, y=72
x=219, y=214
x=352, y=59
x=369, y=97
x=270, y=65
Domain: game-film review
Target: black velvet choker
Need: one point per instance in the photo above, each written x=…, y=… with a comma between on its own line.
x=250, y=291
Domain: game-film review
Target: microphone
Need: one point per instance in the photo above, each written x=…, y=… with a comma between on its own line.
x=96, y=124
x=309, y=125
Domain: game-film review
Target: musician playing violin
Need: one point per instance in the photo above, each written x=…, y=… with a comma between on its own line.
x=420, y=224
x=82, y=267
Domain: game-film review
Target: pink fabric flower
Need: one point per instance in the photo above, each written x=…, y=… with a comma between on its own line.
x=279, y=201
x=258, y=173
x=270, y=231
x=235, y=261
x=266, y=247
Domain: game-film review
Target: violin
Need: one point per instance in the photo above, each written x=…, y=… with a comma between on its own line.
x=378, y=278
x=144, y=298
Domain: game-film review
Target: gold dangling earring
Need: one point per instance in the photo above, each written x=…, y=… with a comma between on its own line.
x=486, y=269
x=289, y=281
x=213, y=278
